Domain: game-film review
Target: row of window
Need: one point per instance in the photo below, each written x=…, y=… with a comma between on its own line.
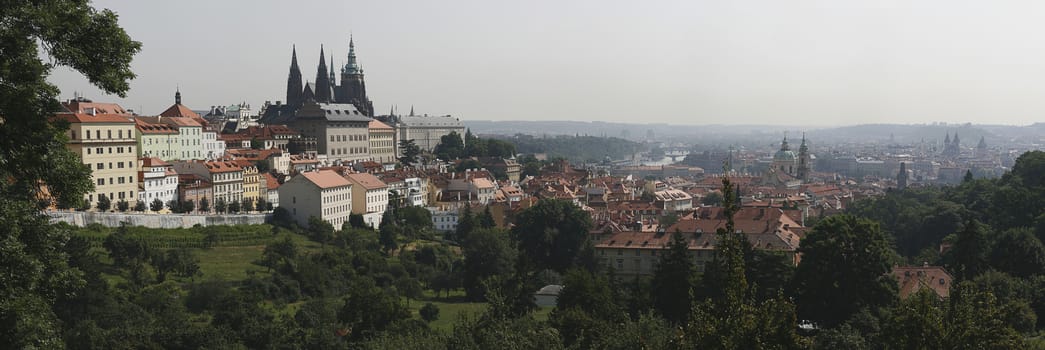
x=119, y=165
x=101, y=150
x=349, y=150
x=344, y=138
x=118, y=180
x=118, y=195
x=335, y=210
x=98, y=134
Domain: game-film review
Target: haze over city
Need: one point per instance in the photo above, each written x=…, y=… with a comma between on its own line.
x=680, y=62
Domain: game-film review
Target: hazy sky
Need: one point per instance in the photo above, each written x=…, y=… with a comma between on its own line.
x=824, y=62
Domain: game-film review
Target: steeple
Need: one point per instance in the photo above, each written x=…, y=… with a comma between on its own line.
x=351, y=67
x=901, y=177
x=805, y=162
x=333, y=79
x=411, y=110
x=294, y=80
x=177, y=96
x=783, y=145
x=947, y=140
x=322, y=81
x=956, y=141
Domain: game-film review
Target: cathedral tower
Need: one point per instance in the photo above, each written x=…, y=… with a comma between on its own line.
x=353, y=87
x=901, y=178
x=322, y=80
x=805, y=162
x=294, y=87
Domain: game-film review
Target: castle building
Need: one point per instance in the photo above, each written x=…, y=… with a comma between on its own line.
x=951, y=147
x=785, y=161
x=325, y=89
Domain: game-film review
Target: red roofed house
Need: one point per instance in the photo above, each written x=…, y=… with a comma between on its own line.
x=911, y=279
x=323, y=194
x=226, y=177
x=106, y=144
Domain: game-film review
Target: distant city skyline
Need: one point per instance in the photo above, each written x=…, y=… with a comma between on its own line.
x=679, y=62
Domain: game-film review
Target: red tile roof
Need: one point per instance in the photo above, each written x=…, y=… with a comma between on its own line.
x=911, y=279
x=376, y=124
x=99, y=107
x=97, y=118
x=326, y=179
x=270, y=181
x=368, y=181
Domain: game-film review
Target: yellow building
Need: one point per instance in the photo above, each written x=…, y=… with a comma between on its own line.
x=382, y=142
x=251, y=181
x=106, y=144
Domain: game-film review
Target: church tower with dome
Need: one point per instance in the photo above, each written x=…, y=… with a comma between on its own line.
x=785, y=160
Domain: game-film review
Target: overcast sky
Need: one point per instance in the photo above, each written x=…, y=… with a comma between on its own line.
x=799, y=62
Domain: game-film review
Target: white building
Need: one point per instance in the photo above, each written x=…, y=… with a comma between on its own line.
x=323, y=194
x=157, y=180
x=444, y=219
x=226, y=177
x=416, y=191
x=427, y=131
x=213, y=147
x=674, y=200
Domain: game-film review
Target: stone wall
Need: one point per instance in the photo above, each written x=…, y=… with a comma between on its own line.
x=82, y=219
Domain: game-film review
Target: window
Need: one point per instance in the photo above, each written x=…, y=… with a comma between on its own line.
x=88, y=151
x=101, y=182
x=109, y=133
x=100, y=166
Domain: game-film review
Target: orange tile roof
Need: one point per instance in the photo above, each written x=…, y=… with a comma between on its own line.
x=97, y=118
x=270, y=181
x=179, y=110
x=367, y=180
x=911, y=279
x=376, y=124
x=145, y=127
x=326, y=179
x=99, y=107
x=222, y=167
x=154, y=162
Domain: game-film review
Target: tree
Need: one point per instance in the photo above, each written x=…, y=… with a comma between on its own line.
x=673, y=281
x=204, y=205
x=139, y=206
x=174, y=206
x=220, y=205
x=33, y=152
x=553, y=234
x=279, y=253
x=487, y=254
x=466, y=223
x=356, y=221
x=450, y=146
x=845, y=267
x=122, y=205
x=409, y=150
x=320, y=230
x=234, y=207
x=103, y=203
x=156, y=205
x=255, y=143
x=967, y=258
x=178, y=261
x=1019, y=252
x=712, y=199
x=261, y=205
x=486, y=219
x=388, y=232
x=429, y=312
x=124, y=249
x=248, y=205
x=188, y=206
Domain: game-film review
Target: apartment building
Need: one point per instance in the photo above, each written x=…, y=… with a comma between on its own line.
x=225, y=177
x=382, y=142
x=323, y=194
x=369, y=197
x=106, y=144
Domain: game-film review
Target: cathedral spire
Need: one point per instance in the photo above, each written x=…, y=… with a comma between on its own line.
x=322, y=81
x=333, y=80
x=177, y=96
x=294, y=80
x=351, y=67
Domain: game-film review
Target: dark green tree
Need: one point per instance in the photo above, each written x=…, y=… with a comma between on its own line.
x=261, y=204
x=320, y=230
x=220, y=206
x=712, y=199
x=450, y=146
x=279, y=253
x=967, y=258
x=356, y=221
x=389, y=232
x=466, y=223
x=247, y=205
x=429, y=312
x=124, y=249
x=204, y=205
x=1018, y=252
x=188, y=206
x=672, y=281
x=139, y=206
x=103, y=203
x=410, y=151
x=234, y=207
x=486, y=219
x=156, y=205
x=174, y=206
x=487, y=253
x=553, y=234
x=845, y=267
x=122, y=205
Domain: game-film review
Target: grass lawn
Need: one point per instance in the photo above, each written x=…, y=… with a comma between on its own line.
x=230, y=263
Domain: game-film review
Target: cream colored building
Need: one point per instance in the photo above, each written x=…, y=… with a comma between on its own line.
x=323, y=194
x=369, y=197
x=427, y=131
x=106, y=144
x=157, y=140
x=225, y=176
x=382, y=142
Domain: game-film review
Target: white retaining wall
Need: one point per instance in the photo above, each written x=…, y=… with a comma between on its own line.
x=82, y=219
